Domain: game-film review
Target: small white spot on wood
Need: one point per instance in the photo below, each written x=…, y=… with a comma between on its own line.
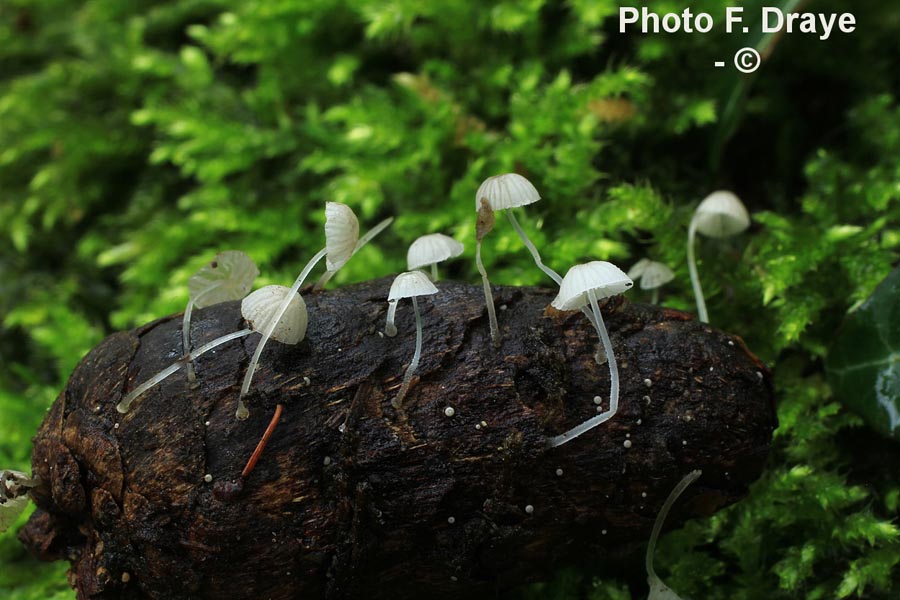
x=643, y=494
x=602, y=532
x=116, y=426
x=684, y=442
x=639, y=421
x=484, y=423
x=451, y=520
x=503, y=307
x=648, y=382
x=759, y=375
x=730, y=343
x=449, y=411
x=306, y=381
x=326, y=461
x=597, y=399
x=559, y=472
x=478, y=426
x=206, y=423
x=207, y=478
x=627, y=443
x=529, y=509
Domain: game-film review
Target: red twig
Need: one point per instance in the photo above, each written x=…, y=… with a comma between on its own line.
x=262, y=443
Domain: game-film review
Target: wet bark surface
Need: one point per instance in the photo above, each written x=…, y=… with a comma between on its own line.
x=353, y=499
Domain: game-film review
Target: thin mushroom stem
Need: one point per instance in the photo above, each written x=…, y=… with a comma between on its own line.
x=390, y=329
x=661, y=517
x=365, y=239
x=434, y=272
x=488, y=296
x=531, y=248
x=125, y=404
x=654, y=297
x=573, y=433
x=251, y=464
x=695, y=279
x=242, y=412
x=397, y=402
x=186, y=329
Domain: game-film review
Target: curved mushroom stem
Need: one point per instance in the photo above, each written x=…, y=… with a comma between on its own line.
x=654, y=298
x=488, y=296
x=695, y=279
x=390, y=329
x=660, y=519
x=186, y=330
x=414, y=364
x=327, y=275
x=573, y=433
x=242, y=412
x=434, y=272
x=125, y=404
x=531, y=248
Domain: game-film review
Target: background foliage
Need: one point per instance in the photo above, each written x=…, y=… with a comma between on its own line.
x=137, y=138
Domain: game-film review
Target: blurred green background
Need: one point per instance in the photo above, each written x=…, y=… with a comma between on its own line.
x=137, y=138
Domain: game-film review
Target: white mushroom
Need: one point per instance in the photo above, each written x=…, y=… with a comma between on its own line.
x=290, y=329
x=333, y=267
x=14, y=488
x=229, y=276
x=583, y=285
x=341, y=233
x=653, y=275
x=410, y=285
x=431, y=249
x=658, y=589
x=720, y=215
x=504, y=192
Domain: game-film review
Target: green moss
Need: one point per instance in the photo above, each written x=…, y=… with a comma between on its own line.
x=138, y=138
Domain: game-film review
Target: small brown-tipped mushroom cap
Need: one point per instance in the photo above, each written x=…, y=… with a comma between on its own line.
x=506, y=191
x=260, y=307
x=605, y=278
x=229, y=276
x=430, y=249
x=651, y=273
x=341, y=234
x=409, y=284
x=721, y=215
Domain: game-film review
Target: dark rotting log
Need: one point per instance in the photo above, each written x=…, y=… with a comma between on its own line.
x=351, y=499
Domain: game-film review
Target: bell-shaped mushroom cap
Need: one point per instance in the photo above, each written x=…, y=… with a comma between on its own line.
x=260, y=307
x=506, y=191
x=721, y=215
x=430, y=249
x=341, y=234
x=409, y=284
x=651, y=273
x=606, y=279
x=229, y=276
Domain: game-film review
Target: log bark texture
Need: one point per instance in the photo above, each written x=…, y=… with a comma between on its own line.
x=352, y=499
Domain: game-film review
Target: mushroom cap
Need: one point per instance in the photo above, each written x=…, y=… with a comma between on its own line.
x=260, y=307
x=341, y=234
x=229, y=276
x=430, y=249
x=409, y=284
x=506, y=191
x=603, y=277
x=651, y=273
x=721, y=215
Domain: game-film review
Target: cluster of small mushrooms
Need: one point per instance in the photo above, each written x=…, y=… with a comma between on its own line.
x=279, y=313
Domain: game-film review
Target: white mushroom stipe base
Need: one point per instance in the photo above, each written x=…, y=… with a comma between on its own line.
x=720, y=215
x=410, y=285
x=658, y=589
x=280, y=314
x=582, y=285
x=229, y=276
x=341, y=236
x=134, y=394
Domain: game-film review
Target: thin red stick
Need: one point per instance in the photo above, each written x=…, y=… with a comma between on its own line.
x=262, y=443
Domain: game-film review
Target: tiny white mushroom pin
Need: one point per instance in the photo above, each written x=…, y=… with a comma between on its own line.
x=658, y=589
x=720, y=215
x=431, y=249
x=341, y=242
x=584, y=285
x=652, y=275
x=14, y=488
x=229, y=276
x=257, y=309
x=409, y=285
x=504, y=192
